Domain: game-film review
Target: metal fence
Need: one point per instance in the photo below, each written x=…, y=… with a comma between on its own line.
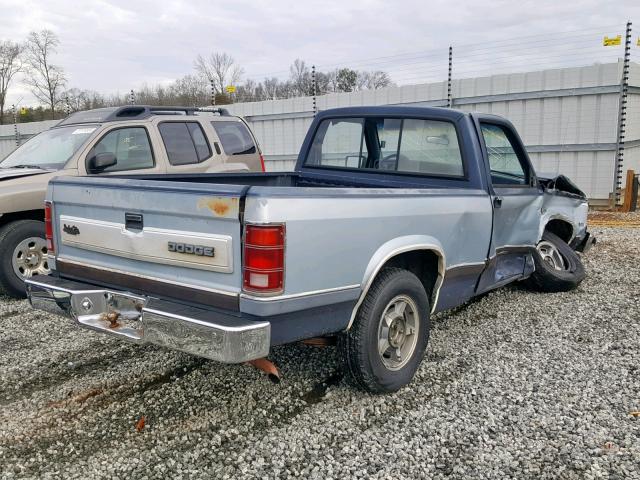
x=567, y=117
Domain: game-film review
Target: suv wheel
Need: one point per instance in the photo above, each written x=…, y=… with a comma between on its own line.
x=23, y=254
x=385, y=345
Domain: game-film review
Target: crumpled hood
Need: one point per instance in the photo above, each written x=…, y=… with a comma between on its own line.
x=560, y=183
x=6, y=173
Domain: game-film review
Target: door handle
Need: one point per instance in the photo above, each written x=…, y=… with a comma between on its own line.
x=497, y=202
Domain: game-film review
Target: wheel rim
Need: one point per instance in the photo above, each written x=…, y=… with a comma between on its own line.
x=551, y=255
x=30, y=258
x=398, y=332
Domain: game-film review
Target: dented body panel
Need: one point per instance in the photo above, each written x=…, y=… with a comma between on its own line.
x=187, y=243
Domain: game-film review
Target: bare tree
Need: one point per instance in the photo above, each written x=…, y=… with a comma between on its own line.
x=10, y=64
x=76, y=99
x=300, y=77
x=373, y=80
x=45, y=79
x=220, y=68
x=190, y=90
x=271, y=88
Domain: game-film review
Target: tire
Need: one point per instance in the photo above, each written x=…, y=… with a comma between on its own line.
x=29, y=236
x=359, y=346
x=553, y=275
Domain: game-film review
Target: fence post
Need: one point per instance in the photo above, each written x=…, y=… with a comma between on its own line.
x=622, y=116
x=449, y=78
x=315, y=90
x=15, y=124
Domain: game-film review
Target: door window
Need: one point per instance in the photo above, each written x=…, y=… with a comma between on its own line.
x=130, y=146
x=185, y=142
x=505, y=164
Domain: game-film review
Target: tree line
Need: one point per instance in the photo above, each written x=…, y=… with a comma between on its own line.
x=32, y=63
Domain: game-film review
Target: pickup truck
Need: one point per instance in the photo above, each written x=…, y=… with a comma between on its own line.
x=391, y=214
x=108, y=141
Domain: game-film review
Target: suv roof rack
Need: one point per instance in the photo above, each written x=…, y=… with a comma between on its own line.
x=111, y=114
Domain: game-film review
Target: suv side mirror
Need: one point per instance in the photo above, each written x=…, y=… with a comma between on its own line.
x=100, y=161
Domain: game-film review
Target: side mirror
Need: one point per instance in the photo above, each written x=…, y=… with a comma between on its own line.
x=100, y=161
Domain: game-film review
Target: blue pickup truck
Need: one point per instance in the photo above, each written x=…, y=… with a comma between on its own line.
x=391, y=214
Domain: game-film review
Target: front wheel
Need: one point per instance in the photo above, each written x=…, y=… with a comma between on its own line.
x=558, y=267
x=385, y=345
x=23, y=254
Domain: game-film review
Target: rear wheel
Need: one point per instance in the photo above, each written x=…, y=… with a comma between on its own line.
x=23, y=254
x=385, y=345
x=558, y=267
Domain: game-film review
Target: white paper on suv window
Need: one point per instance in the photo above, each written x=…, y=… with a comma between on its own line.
x=80, y=131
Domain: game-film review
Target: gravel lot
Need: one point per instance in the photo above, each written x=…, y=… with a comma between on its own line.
x=514, y=385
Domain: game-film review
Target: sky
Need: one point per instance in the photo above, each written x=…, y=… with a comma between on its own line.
x=113, y=45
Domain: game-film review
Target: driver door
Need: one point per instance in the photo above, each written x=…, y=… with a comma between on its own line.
x=516, y=199
x=132, y=147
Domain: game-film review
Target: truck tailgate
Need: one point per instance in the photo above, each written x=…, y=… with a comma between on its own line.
x=167, y=238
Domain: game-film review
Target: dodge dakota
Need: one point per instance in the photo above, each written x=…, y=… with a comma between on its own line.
x=391, y=214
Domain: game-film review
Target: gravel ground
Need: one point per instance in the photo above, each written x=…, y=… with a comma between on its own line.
x=514, y=385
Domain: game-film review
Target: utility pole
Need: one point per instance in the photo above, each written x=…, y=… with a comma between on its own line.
x=622, y=117
x=449, y=78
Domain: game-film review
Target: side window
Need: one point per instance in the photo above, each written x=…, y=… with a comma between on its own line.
x=430, y=147
x=130, y=146
x=235, y=138
x=185, y=142
x=506, y=167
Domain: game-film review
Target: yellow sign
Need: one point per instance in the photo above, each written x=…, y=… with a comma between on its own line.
x=230, y=89
x=23, y=111
x=610, y=42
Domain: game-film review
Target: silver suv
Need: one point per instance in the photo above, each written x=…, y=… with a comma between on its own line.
x=109, y=141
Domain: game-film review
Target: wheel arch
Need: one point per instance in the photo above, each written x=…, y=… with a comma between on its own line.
x=403, y=252
x=7, y=218
x=559, y=225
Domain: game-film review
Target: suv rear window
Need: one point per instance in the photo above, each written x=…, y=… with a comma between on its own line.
x=185, y=142
x=235, y=138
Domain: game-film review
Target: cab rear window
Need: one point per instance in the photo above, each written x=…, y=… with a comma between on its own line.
x=235, y=138
x=395, y=145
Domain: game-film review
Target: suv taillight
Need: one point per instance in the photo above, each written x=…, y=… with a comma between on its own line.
x=48, y=226
x=262, y=163
x=263, y=267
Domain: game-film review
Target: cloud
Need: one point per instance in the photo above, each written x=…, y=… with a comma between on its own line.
x=115, y=45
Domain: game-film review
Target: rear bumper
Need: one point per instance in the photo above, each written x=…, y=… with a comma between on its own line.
x=206, y=333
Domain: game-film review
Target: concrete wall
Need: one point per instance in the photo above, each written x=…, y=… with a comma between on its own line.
x=567, y=118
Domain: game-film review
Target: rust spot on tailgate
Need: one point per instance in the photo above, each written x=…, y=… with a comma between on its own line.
x=220, y=206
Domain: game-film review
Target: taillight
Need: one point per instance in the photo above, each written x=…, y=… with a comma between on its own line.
x=263, y=267
x=262, y=163
x=48, y=225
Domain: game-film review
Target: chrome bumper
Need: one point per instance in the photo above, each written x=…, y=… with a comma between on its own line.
x=206, y=333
